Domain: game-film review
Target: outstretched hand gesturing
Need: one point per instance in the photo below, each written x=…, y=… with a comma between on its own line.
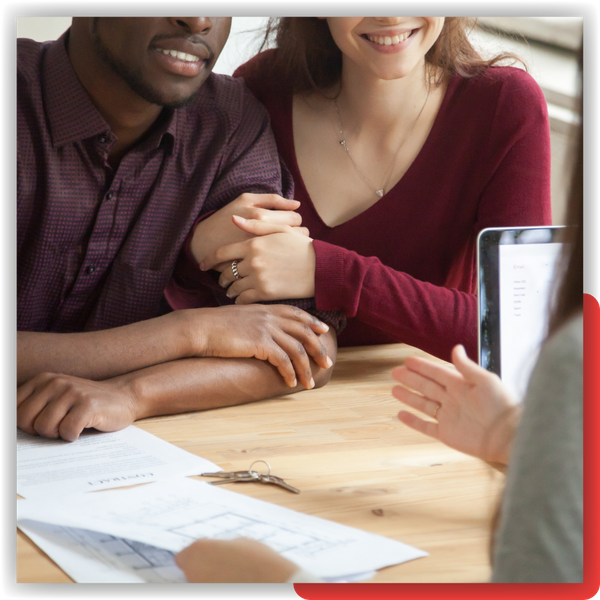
x=473, y=411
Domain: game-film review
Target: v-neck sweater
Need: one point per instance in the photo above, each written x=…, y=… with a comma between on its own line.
x=404, y=270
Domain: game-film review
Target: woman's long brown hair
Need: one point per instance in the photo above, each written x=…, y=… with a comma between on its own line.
x=307, y=57
x=570, y=294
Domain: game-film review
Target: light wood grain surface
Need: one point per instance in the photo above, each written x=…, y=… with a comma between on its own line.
x=354, y=463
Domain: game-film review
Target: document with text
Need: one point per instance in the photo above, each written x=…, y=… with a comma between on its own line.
x=526, y=280
x=99, y=461
x=134, y=534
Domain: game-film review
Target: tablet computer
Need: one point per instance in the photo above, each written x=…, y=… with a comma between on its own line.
x=516, y=275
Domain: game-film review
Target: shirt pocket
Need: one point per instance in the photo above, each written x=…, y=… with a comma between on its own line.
x=129, y=294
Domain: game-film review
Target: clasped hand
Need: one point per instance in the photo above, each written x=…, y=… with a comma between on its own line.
x=274, y=254
x=283, y=335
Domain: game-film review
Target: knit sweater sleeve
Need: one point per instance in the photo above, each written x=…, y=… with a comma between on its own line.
x=509, y=185
x=432, y=318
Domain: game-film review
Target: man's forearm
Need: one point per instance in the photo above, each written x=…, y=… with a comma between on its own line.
x=103, y=354
x=202, y=383
x=63, y=405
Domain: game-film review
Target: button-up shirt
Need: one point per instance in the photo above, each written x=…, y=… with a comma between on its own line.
x=97, y=245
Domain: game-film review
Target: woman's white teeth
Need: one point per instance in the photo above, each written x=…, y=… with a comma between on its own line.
x=386, y=40
x=180, y=55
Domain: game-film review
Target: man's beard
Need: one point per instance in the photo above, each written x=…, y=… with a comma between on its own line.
x=134, y=78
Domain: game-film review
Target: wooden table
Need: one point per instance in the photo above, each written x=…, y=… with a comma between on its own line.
x=354, y=462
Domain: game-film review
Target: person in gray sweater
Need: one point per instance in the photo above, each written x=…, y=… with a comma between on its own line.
x=540, y=534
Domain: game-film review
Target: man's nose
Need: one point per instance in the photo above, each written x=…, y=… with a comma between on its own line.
x=194, y=25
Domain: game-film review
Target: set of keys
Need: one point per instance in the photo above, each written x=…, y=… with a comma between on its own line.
x=249, y=476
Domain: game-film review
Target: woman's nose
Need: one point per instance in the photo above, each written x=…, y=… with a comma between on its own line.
x=388, y=20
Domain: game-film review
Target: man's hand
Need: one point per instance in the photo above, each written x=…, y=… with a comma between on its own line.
x=54, y=405
x=62, y=406
x=475, y=413
x=219, y=230
x=283, y=335
x=233, y=561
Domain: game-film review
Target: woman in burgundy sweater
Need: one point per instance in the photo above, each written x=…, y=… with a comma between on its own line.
x=403, y=144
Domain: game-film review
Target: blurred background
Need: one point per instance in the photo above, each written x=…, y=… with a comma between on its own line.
x=548, y=46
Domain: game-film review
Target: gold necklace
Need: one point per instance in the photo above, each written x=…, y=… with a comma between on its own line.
x=381, y=191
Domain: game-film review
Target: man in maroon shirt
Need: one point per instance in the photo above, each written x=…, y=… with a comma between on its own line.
x=120, y=150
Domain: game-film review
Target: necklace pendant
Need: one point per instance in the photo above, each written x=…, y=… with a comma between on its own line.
x=380, y=193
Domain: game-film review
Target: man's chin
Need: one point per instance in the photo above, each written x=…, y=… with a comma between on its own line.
x=178, y=103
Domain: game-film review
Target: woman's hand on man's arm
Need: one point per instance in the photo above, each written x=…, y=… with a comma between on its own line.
x=219, y=230
x=277, y=263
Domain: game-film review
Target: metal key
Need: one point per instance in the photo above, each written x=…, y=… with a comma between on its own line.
x=243, y=475
x=278, y=481
x=250, y=475
x=232, y=477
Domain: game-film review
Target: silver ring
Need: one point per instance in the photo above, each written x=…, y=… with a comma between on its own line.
x=234, y=268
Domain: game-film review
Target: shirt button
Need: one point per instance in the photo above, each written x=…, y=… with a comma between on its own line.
x=89, y=270
x=103, y=139
x=110, y=195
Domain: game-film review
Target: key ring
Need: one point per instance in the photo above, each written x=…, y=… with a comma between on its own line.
x=261, y=461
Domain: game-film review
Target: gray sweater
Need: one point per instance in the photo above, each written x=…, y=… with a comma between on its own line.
x=540, y=534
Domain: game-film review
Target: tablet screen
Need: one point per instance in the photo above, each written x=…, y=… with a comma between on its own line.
x=516, y=269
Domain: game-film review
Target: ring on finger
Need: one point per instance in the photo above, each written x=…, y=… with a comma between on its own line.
x=234, y=268
x=435, y=412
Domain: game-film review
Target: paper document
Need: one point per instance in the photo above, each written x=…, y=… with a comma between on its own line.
x=170, y=515
x=98, y=461
x=526, y=284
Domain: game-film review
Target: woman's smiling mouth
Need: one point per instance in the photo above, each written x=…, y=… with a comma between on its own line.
x=386, y=40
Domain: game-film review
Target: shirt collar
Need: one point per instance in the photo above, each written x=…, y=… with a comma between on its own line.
x=164, y=130
x=72, y=115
